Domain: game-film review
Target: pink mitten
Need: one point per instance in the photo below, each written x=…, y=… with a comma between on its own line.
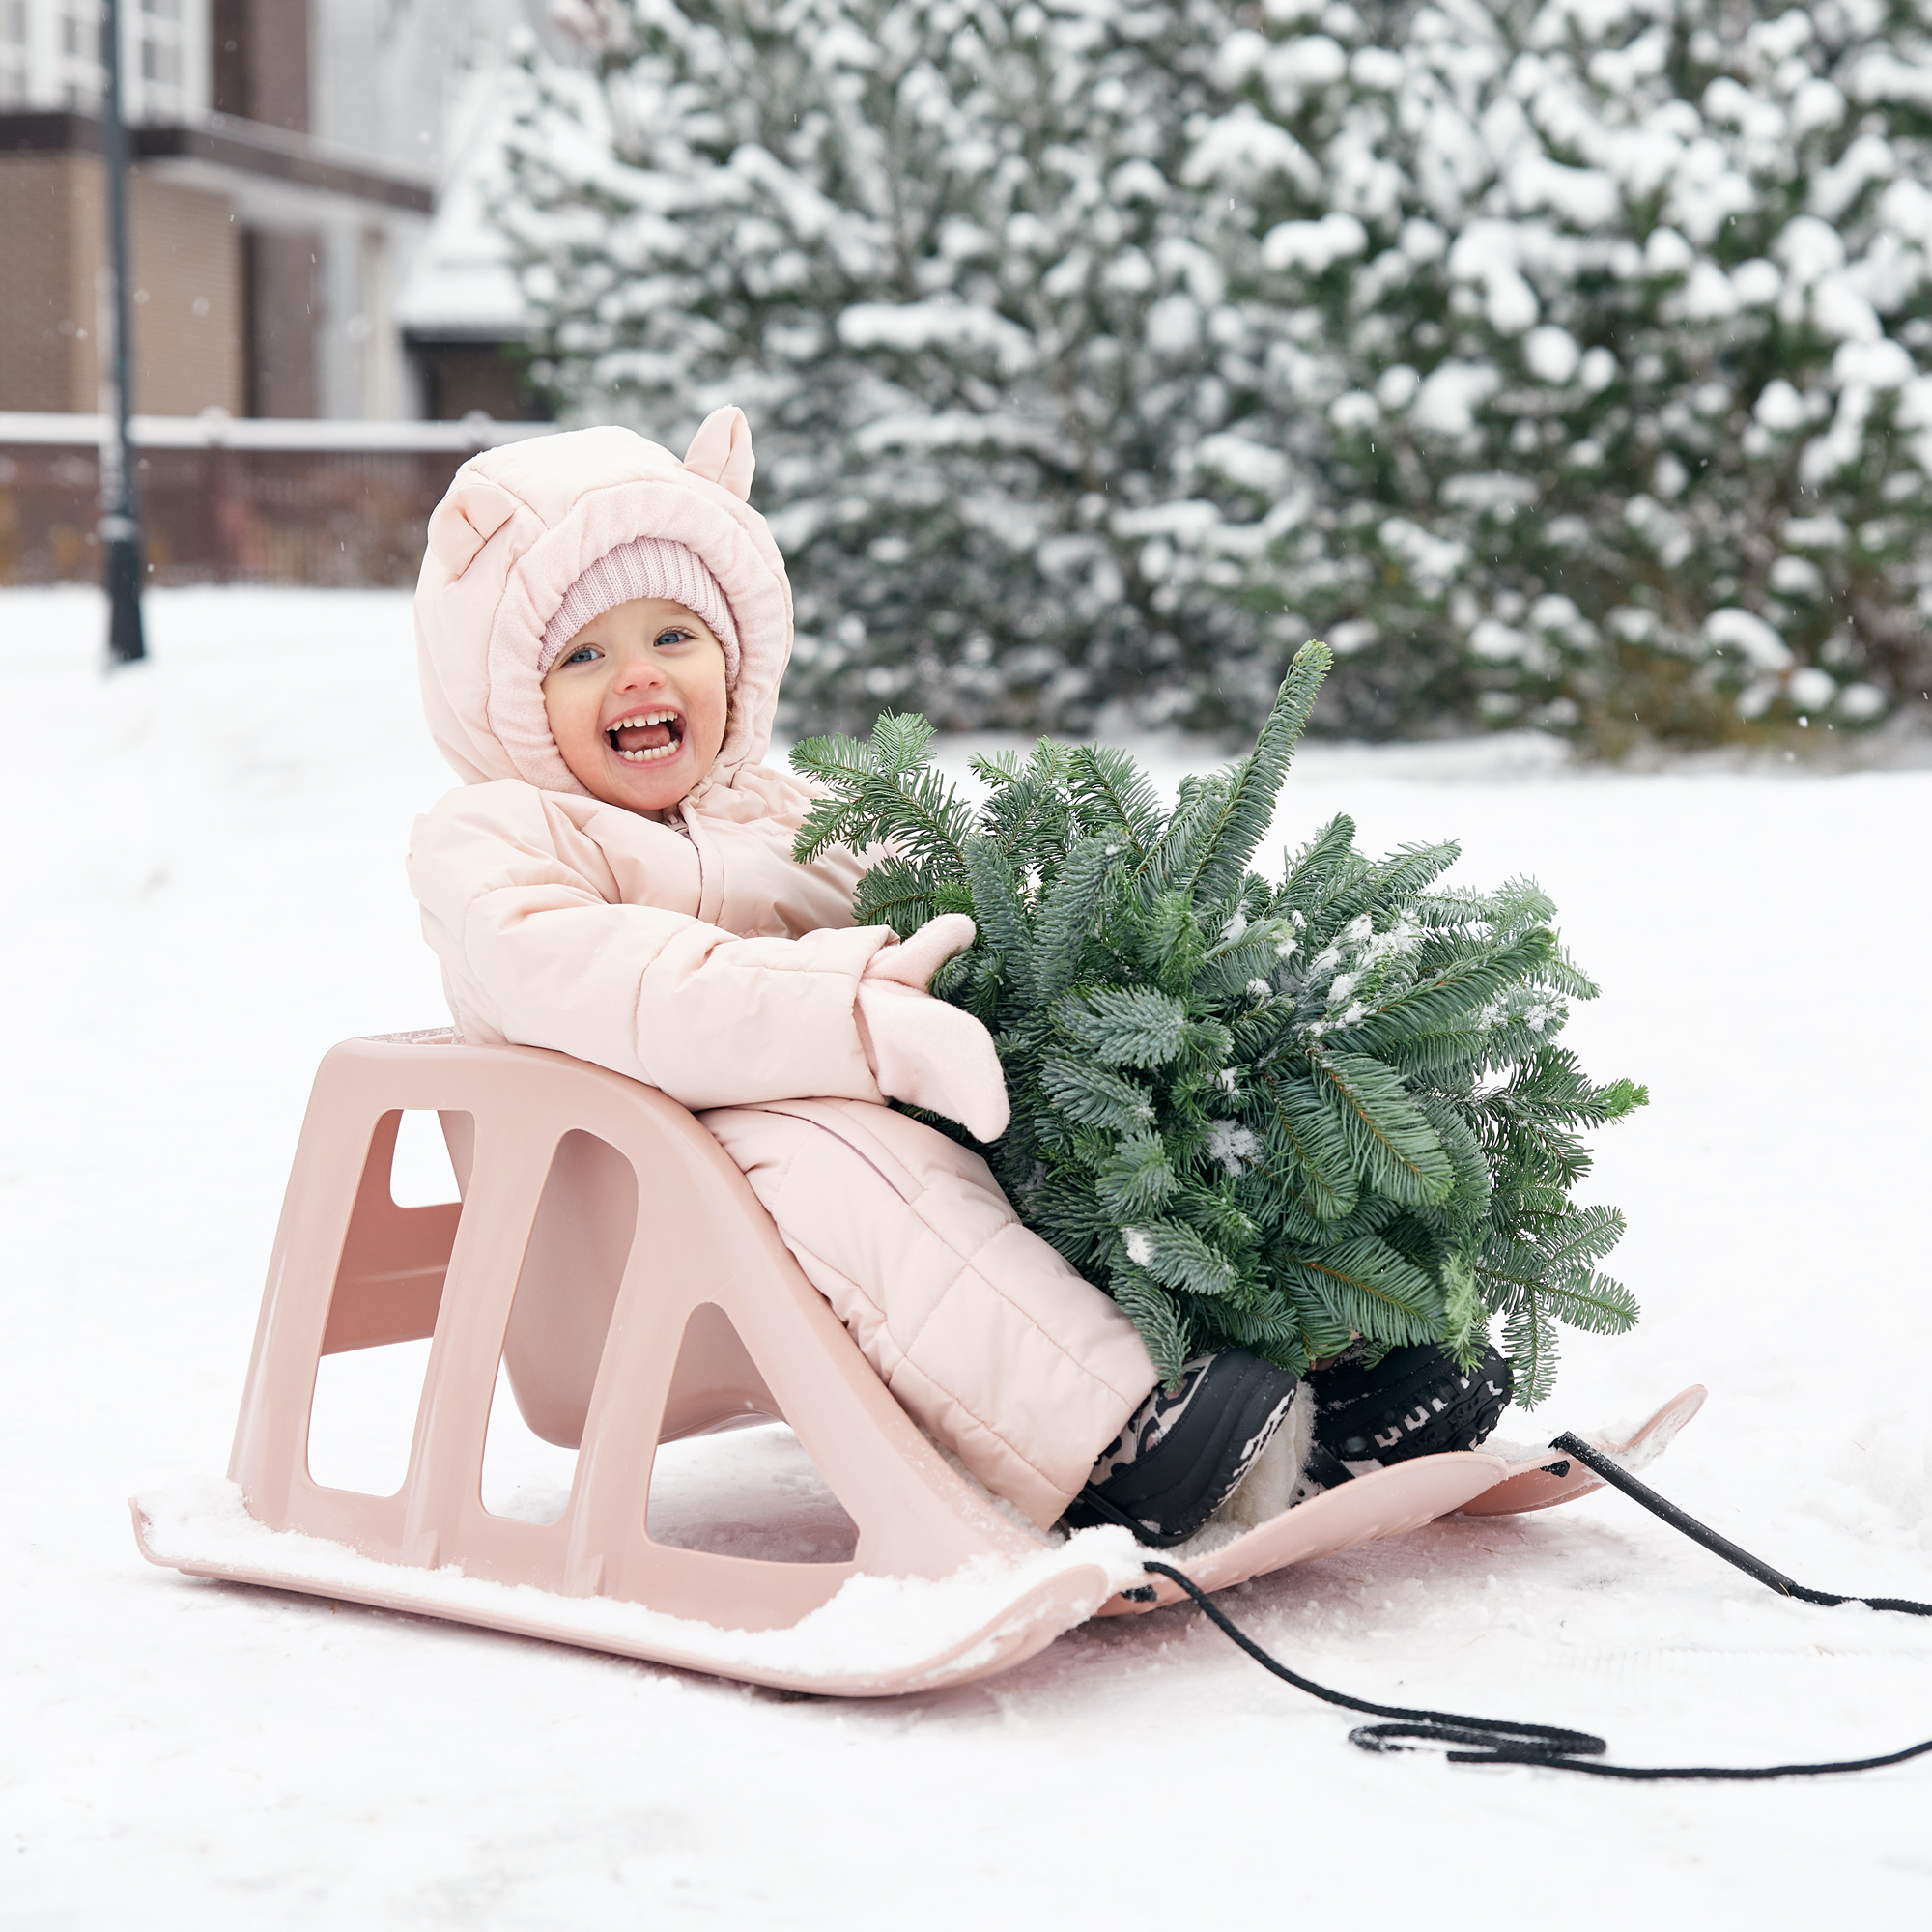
x=921, y=1050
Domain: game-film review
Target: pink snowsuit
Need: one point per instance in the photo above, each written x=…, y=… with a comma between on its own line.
x=694, y=954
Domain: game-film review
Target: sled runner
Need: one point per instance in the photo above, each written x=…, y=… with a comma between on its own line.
x=611, y=1258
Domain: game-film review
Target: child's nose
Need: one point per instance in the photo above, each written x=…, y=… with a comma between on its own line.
x=642, y=670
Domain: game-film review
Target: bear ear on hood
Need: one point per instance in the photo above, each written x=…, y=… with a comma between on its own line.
x=721, y=452
x=466, y=520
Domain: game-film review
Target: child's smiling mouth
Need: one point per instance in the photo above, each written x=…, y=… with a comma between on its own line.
x=645, y=737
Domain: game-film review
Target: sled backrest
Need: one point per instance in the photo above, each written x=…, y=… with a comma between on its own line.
x=611, y=1258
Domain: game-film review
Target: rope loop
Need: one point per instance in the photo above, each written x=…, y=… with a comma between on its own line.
x=1551, y=1747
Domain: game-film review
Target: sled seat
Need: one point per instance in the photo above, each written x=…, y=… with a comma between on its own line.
x=610, y=1258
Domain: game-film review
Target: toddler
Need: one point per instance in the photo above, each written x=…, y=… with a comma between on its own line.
x=601, y=631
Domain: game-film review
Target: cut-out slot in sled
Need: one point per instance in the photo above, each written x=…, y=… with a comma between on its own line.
x=610, y=1259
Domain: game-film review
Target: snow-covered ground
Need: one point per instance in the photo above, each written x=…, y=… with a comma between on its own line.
x=203, y=891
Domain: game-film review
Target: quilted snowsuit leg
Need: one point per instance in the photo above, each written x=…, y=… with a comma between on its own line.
x=989, y=1340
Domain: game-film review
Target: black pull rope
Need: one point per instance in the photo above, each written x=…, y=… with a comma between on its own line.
x=1500, y=1740
x=1661, y=1507
x=1438, y=1726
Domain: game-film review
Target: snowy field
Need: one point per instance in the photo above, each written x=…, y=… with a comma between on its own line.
x=204, y=890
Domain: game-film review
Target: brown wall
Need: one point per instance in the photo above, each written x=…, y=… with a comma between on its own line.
x=227, y=516
x=261, y=60
x=284, y=301
x=187, y=272
x=49, y=504
x=50, y=225
x=458, y=377
x=186, y=263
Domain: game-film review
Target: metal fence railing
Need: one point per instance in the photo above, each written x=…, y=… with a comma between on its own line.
x=235, y=500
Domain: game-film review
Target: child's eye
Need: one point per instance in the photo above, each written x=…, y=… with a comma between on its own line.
x=584, y=654
x=673, y=637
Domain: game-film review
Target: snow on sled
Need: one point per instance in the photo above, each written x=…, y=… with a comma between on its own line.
x=607, y=1255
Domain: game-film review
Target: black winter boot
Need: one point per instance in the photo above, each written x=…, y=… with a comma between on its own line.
x=1181, y=1456
x=1414, y=1402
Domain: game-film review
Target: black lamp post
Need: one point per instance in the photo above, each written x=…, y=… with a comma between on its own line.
x=120, y=527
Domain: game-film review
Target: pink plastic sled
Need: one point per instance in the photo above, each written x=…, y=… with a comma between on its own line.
x=609, y=1254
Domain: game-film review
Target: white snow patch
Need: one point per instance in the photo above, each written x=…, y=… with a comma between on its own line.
x=197, y=915
x=1748, y=633
x=873, y=1624
x=1450, y=396
x=1313, y=246
x=1232, y=1145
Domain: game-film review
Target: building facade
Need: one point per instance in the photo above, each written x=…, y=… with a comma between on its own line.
x=287, y=159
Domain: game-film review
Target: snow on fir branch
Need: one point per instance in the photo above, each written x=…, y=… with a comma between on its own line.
x=1566, y=365
x=1276, y=1115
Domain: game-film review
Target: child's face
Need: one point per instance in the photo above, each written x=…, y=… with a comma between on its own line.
x=636, y=703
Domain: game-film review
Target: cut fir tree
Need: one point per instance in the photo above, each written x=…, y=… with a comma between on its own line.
x=1278, y=1116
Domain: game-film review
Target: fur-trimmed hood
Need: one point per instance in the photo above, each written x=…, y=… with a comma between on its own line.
x=520, y=525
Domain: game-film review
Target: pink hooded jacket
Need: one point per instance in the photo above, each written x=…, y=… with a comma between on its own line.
x=692, y=952
x=654, y=954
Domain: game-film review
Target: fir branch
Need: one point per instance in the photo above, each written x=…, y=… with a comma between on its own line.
x=1002, y=919
x=1152, y=1312
x=1216, y=1214
x=1312, y=870
x=1467, y=1202
x=1580, y=1236
x=1090, y=1096
x=1027, y=808
x=832, y=761
x=894, y=894
x=1135, y=1181
x=1323, y=1332
x=1125, y=1025
x=1564, y=976
x=1114, y=797
x=1371, y=1288
x=1373, y=892
x=1242, y=966
x=1067, y=914
x=1462, y=1312
x=1448, y=995
x=1594, y=1303
x=1307, y=1129
x=1389, y=1137
x=1171, y=862
x=1064, y=1210
x=1443, y=1057
x=1529, y=1340
x=1177, y=1257
x=1218, y=855
x=884, y=789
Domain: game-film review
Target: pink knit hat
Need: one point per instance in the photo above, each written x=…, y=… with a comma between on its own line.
x=643, y=567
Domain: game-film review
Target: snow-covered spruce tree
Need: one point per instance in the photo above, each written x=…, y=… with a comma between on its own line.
x=951, y=255
x=1267, y=1113
x=1634, y=307
x=1563, y=365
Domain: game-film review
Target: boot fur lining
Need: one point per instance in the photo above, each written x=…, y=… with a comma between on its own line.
x=1269, y=1485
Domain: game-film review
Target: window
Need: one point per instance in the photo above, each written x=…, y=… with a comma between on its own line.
x=13, y=53
x=162, y=61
